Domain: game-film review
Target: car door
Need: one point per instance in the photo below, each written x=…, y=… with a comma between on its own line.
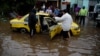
x=53, y=31
x=38, y=28
x=53, y=27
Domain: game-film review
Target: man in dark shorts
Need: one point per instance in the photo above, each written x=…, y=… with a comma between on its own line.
x=32, y=22
x=66, y=20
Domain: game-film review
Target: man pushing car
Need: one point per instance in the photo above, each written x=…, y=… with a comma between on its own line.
x=66, y=20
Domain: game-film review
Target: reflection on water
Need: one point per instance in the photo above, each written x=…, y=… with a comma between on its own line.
x=16, y=44
x=24, y=46
x=40, y=45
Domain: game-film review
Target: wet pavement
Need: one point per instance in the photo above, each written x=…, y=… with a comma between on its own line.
x=17, y=44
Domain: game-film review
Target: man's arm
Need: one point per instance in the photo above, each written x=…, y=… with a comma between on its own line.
x=59, y=18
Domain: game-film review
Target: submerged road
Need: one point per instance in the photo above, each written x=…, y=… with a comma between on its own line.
x=17, y=44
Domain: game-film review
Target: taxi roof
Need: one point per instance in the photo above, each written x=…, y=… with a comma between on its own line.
x=38, y=13
x=42, y=13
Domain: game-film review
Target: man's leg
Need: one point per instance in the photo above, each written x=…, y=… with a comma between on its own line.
x=65, y=35
x=75, y=18
x=80, y=20
x=83, y=20
x=34, y=30
x=30, y=32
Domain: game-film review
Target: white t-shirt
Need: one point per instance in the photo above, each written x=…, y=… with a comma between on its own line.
x=66, y=20
x=49, y=11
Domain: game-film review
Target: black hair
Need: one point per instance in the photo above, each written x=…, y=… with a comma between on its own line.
x=65, y=10
x=83, y=7
x=34, y=11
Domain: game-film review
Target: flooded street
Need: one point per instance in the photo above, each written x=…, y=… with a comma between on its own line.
x=17, y=44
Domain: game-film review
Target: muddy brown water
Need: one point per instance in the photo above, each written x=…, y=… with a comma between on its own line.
x=17, y=44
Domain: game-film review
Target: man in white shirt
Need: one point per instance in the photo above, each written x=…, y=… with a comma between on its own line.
x=66, y=20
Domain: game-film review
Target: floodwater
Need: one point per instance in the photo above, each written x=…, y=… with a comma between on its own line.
x=17, y=44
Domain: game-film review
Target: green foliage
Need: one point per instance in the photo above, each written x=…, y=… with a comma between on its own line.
x=6, y=5
x=32, y=2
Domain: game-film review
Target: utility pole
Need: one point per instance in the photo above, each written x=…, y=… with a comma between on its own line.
x=57, y=3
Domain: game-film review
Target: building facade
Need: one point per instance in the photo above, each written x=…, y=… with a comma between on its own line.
x=89, y=4
x=63, y=4
x=55, y=3
x=80, y=3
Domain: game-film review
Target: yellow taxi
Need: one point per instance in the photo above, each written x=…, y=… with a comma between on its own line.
x=45, y=23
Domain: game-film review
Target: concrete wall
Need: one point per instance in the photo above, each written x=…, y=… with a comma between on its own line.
x=73, y=2
x=86, y=3
x=63, y=6
x=80, y=3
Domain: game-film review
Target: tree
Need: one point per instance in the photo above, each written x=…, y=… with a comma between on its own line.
x=17, y=5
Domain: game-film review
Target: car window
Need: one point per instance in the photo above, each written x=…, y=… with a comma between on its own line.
x=51, y=22
x=36, y=16
x=26, y=19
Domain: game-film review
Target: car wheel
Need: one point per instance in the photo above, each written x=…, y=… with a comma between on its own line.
x=23, y=30
x=14, y=30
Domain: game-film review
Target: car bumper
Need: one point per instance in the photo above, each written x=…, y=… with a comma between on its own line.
x=76, y=32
